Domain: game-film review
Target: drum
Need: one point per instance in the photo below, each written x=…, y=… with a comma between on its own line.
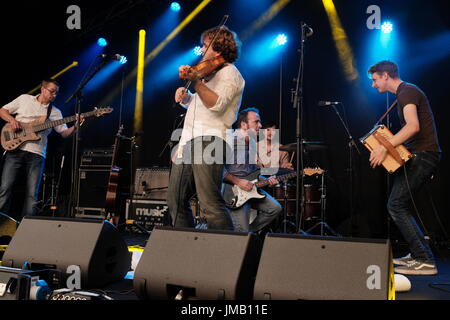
x=286, y=192
x=312, y=201
x=282, y=192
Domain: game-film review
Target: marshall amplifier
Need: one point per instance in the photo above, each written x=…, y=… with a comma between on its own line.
x=151, y=183
x=148, y=213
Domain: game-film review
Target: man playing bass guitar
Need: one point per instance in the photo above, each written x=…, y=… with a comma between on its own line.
x=30, y=156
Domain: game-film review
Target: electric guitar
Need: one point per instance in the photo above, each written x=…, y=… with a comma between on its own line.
x=11, y=140
x=235, y=197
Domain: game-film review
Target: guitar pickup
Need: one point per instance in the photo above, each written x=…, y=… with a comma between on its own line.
x=6, y=136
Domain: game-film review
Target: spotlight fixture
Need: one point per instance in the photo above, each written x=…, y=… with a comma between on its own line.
x=102, y=42
x=175, y=6
x=387, y=27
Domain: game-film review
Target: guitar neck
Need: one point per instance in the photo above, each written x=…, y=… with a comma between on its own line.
x=50, y=124
x=264, y=183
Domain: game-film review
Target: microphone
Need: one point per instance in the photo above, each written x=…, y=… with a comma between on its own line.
x=309, y=30
x=111, y=56
x=327, y=103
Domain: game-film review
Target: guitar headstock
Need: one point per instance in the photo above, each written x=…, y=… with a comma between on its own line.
x=311, y=171
x=102, y=110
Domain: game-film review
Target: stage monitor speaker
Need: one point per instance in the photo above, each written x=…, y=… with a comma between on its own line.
x=57, y=243
x=8, y=227
x=294, y=267
x=189, y=264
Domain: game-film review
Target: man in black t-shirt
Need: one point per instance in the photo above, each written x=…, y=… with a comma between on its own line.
x=418, y=134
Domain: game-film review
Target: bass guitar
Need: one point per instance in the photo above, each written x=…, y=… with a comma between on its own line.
x=11, y=140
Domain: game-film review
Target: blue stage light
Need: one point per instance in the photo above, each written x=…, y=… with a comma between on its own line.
x=281, y=39
x=175, y=6
x=102, y=42
x=123, y=60
x=198, y=51
x=387, y=27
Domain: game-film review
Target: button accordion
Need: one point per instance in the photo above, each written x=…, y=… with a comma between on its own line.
x=396, y=157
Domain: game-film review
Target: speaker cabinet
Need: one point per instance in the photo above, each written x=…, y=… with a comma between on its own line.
x=296, y=267
x=197, y=264
x=94, y=245
x=92, y=187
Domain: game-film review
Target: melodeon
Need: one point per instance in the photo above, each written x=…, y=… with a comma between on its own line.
x=396, y=157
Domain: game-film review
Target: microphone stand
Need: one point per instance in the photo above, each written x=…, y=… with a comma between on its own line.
x=351, y=144
x=169, y=142
x=298, y=105
x=78, y=95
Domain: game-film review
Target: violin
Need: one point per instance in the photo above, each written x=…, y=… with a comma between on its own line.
x=202, y=69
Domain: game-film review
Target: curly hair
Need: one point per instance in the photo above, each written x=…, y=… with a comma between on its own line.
x=226, y=42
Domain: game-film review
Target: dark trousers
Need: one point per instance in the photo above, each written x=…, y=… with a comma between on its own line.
x=198, y=175
x=418, y=171
x=32, y=166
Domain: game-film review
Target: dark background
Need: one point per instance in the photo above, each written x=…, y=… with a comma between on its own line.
x=37, y=44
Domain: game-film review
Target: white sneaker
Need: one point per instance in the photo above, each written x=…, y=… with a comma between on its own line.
x=403, y=261
x=418, y=268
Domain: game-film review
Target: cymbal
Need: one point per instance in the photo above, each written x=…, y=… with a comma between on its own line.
x=307, y=145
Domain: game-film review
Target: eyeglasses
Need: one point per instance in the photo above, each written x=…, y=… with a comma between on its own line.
x=54, y=92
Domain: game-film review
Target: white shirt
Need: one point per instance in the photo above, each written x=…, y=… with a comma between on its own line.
x=27, y=109
x=228, y=84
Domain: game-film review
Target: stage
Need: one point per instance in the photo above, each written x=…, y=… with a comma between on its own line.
x=303, y=65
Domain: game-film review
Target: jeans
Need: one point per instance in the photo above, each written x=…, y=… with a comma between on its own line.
x=268, y=209
x=32, y=165
x=418, y=170
x=203, y=178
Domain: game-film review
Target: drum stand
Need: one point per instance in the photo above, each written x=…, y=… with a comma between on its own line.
x=285, y=208
x=323, y=225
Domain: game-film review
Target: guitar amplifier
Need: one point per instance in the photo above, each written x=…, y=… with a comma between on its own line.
x=151, y=183
x=148, y=213
x=97, y=157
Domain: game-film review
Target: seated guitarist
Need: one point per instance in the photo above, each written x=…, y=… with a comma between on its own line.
x=244, y=163
x=419, y=135
x=30, y=156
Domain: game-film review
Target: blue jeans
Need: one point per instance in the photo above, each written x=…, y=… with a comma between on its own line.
x=201, y=178
x=268, y=209
x=32, y=165
x=418, y=170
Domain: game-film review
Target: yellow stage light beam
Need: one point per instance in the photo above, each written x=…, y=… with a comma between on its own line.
x=341, y=41
x=70, y=66
x=138, y=106
x=176, y=31
x=159, y=48
x=264, y=18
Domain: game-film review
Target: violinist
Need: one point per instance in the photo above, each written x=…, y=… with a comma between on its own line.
x=211, y=110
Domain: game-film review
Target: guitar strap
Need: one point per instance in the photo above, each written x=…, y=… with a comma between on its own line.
x=49, y=111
